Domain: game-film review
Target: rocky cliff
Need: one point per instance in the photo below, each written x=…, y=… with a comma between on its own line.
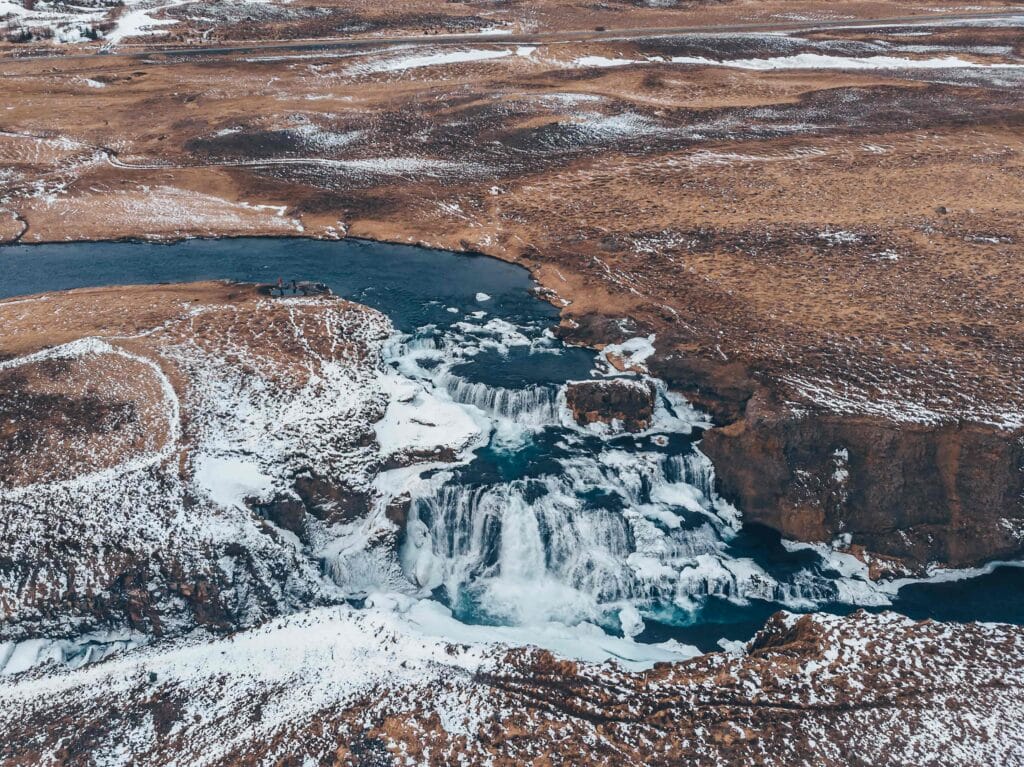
x=947, y=491
x=952, y=493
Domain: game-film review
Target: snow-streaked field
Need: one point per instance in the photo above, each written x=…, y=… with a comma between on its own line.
x=320, y=684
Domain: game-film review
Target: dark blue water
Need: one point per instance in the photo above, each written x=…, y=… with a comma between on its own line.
x=426, y=291
x=406, y=282
x=996, y=597
x=413, y=286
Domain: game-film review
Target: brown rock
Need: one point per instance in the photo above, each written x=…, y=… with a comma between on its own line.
x=398, y=511
x=918, y=492
x=405, y=458
x=287, y=513
x=331, y=502
x=626, y=400
x=722, y=388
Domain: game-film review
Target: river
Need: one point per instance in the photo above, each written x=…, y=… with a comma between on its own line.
x=548, y=522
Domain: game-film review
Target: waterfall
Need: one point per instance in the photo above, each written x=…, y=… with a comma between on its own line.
x=694, y=469
x=504, y=543
x=625, y=523
x=607, y=530
x=614, y=528
x=533, y=406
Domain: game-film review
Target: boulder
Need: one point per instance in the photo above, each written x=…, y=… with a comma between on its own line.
x=627, y=401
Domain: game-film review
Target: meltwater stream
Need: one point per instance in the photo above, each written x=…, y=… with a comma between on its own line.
x=547, y=521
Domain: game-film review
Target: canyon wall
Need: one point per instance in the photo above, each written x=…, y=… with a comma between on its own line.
x=951, y=493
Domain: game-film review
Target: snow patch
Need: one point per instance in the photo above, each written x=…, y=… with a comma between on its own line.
x=436, y=59
x=631, y=354
x=229, y=481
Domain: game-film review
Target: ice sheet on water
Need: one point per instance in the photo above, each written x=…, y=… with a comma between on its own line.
x=18, y=656
x=584, y=641
x=420, y=418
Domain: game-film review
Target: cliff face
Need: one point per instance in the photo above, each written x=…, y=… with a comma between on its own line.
x=950, y=493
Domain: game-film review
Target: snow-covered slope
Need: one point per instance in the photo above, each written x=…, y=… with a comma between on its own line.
x=196, y=467
x=371, y=687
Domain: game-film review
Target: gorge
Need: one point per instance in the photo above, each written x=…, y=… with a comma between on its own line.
x=519, y=515
x=491, y=383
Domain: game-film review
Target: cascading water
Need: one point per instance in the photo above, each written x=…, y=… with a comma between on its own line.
x=554, y=522
x=546, y=520
x=534, y=405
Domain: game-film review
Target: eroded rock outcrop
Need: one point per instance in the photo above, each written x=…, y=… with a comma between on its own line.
x=628, y=402
x=721, y=388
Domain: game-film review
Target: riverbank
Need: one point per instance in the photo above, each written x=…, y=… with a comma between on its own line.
x=242, y=472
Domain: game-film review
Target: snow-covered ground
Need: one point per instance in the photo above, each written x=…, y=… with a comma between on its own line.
x=62, y=24
x=428, y=58
x=805, y=61
x=109, y=21
x=336, y=684
x=262, y=394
